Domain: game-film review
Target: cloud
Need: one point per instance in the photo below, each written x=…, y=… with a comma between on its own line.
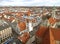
x=29, y=2
x=6, y=0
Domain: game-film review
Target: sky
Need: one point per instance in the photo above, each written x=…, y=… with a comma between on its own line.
x=29, y=2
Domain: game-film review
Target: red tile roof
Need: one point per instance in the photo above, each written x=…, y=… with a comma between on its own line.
x=55, y=33
x=19, y=14
x=22, y=25
x=28, y=13
x=40, y=32
x=24, y=37
x=52, y=20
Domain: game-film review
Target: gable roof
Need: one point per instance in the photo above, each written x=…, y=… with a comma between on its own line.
x=41, y=30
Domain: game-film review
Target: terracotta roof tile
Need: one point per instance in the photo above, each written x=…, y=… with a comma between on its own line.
x=19, y=14
x=22, y=25
x=52, y=20
x=24, y=37
x=28, y=13
x=55, y=33
x=40, y=32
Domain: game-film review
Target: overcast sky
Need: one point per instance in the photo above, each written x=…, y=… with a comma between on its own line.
x=29, y=2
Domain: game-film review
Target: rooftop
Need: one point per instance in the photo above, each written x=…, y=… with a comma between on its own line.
x=55, y=33
x=24, y=37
